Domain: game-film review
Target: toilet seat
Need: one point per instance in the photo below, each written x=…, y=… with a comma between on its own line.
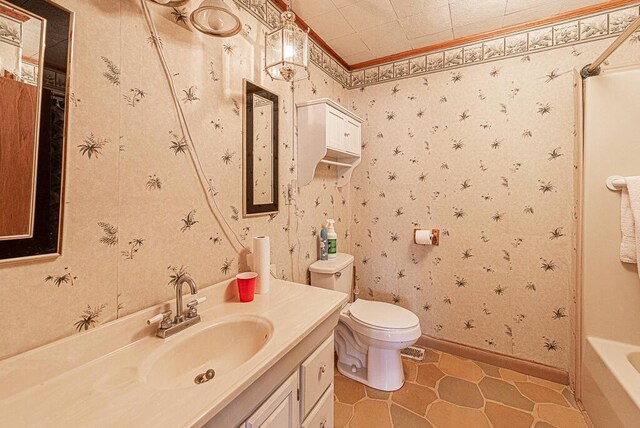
x=382, y=316
x=373, y=332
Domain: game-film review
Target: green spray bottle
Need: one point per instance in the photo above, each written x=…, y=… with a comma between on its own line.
x=332, y=236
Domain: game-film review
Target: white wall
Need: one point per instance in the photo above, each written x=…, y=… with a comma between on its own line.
x=610, y=288
x=611, y=147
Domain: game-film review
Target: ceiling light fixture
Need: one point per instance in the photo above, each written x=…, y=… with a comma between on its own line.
x=287, y=50
x=172, y=3
x=213, y=17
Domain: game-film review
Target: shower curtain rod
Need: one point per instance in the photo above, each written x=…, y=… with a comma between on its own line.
x=593, y=69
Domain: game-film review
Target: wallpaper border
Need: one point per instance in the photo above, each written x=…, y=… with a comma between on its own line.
x=587, y=28
x=570, y=32
x=269, y=14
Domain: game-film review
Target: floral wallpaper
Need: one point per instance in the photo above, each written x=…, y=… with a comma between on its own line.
x=137, y=217
x=487, y=155
x=484, y=152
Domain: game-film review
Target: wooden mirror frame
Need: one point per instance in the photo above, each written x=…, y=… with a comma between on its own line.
x=46, y=242
x=249, y=208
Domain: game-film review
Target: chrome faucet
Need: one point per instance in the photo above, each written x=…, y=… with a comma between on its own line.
x=194, y=290
x=181, y=321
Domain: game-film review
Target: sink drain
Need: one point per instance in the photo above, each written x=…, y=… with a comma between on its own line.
x=205, y=377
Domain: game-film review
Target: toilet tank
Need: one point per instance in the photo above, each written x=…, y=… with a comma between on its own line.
x=333, y=274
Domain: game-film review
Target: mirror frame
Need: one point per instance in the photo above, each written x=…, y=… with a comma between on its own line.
x=249, y=208
x=40, y=236
x=36, y=125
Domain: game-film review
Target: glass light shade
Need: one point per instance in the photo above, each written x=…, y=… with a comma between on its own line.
x=214, y=18
x=287, y=51
x=172, y=3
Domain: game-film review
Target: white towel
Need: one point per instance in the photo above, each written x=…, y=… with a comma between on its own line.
x=630, y=221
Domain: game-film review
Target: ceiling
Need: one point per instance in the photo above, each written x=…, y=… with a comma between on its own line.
x=57, y=39
x=363, y=30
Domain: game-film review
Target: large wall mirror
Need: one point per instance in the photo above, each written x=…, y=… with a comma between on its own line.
x=35, y=53
x=260, y=164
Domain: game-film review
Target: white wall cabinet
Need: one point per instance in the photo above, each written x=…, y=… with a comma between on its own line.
x=327, y=134
x=336, y=128
x=353, y=136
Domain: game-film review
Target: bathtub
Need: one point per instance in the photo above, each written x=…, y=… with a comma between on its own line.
x=611, y=385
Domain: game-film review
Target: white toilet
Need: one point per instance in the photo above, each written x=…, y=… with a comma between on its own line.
x=369, y=335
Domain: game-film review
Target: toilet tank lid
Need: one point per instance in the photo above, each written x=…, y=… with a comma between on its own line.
x=334, y=265
x=383, y=315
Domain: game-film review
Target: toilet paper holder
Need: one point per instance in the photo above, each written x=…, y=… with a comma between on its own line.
x=435, y=236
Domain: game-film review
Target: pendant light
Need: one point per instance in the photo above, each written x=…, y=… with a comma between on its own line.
x=287, y=50
x=213, y=17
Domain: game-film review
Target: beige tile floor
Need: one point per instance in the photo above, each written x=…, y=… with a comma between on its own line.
x=445, y=391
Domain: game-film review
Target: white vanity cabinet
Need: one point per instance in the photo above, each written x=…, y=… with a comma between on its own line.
x=327, y=134
x=281, y=410
x=307, y=395
x=316, y=375
x=322, y=414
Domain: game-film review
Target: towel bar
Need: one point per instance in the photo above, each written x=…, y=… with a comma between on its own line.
x=616, y=182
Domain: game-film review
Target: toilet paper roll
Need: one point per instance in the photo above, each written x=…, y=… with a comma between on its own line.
x=423, y=237
x=261, y=263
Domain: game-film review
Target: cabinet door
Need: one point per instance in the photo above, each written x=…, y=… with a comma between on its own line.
x=281, y=410
x=335, y=130
x=322, y=415
x=317, y=374
x=353, y=136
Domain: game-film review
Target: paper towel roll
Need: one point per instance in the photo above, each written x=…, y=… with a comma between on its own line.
x=261, y=263
x=423, y=237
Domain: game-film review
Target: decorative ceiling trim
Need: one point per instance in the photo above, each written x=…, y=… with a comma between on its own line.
x=597, y=22
x=499, y=32
x=14, y=13
x=319, y=52
x=570, y=32
x=316, y=38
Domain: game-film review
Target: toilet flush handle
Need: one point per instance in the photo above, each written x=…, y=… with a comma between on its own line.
x=338, y=274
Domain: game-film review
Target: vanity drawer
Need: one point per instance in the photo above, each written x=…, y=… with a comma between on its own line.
x=316, y=375
x=322, y=415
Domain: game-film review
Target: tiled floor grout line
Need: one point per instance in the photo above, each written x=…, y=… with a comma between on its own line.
x=555, y=397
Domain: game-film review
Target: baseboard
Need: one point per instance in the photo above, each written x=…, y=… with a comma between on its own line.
x=583, y=410
x=531, y=368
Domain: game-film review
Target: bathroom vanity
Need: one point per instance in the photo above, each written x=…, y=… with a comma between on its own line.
x=272, y=358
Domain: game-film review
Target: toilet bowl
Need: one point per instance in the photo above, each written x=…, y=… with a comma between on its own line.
x=370, y=334
x=369, y=349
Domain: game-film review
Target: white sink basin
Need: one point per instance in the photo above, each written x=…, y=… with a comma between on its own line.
x=222, y=346
x=634, y=359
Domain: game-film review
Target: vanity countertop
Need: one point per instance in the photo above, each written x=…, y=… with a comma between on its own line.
x=98, y=378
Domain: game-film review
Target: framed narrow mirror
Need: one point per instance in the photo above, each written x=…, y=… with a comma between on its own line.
x=260, y=160
x=21, y=57
x=35, y=53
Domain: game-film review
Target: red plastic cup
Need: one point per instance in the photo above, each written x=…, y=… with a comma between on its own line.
x=246, y=285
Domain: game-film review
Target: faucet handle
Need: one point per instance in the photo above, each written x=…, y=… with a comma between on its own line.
x=192, y=305
x=163, y=318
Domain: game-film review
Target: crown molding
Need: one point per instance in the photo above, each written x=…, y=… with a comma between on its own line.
x=490, y=34
x=600, y=21
x=602, y=24
x=316, y=38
